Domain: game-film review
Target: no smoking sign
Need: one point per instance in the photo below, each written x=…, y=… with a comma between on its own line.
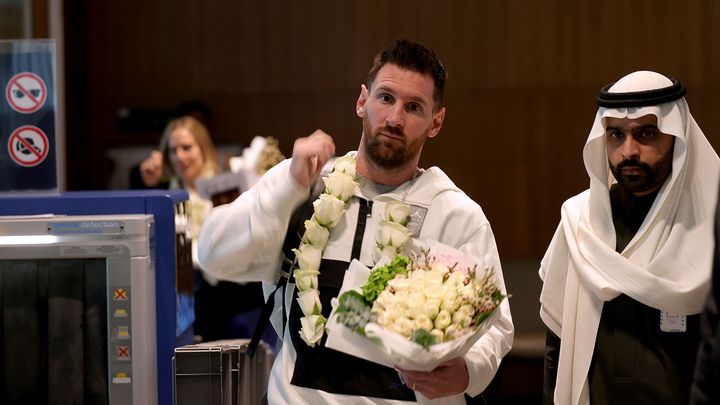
x=28, y=146
x=29, y=153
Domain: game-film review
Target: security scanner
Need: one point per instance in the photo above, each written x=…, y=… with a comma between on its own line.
x=96, y=292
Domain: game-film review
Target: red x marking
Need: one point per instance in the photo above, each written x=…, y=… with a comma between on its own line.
x=120, y=294
x=123, y=351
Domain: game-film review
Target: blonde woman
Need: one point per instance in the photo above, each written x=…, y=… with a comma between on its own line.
x=222, y=309
x=186, y=144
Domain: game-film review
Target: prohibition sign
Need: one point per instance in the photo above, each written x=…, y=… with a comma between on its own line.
x=28, y=146
x=26, y=92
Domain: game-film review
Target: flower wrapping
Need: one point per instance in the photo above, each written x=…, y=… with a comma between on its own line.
x=430, y=303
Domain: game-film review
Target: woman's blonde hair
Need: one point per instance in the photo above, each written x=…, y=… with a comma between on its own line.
x=202, y=137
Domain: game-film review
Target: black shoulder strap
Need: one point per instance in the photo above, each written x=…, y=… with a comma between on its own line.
x=292, y=240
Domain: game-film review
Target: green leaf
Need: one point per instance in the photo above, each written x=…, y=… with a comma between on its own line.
x=379, y=277
x=353, y=311
x=423, y=338
x=351, y=299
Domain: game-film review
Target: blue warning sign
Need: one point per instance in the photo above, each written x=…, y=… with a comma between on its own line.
x=28, y=147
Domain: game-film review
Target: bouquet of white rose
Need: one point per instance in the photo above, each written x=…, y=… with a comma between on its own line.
x=415, y=312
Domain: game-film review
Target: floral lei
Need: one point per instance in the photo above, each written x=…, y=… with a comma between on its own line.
x=392, y=235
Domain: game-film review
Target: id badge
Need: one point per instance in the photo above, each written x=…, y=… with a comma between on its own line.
x=672, y=323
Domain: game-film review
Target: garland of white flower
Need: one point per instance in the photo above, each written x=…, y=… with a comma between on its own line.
x=340, y=186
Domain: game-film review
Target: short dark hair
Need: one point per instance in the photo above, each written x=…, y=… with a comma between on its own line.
x=412, y=56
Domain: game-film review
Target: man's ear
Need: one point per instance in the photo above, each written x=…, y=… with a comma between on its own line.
x=437, y=121
x=362, y=99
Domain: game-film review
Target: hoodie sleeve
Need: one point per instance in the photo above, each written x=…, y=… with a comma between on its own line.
x=483, y=359
x=242, y=241
x=456, y=220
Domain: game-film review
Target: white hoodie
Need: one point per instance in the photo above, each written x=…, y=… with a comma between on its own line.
x=242, y=241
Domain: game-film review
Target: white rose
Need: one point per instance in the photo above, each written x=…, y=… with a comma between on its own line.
x=308, y=257
x=422, y=321
x=433, y=281
x=340, y=185
x=463, y=316
x=439, y=335
x=401, y=299
x=310, y=302
x=434, y=278
x=384, y=300
x=398, y=212
x=439, y=267
x=390, y=327
x=404, y=326
x=312, y=329
x=399, y=283
x=388, y=317
x=392, y=234
x=415, y=303
x=467, y=292
x=450, y=301
x=436, y=292
x=345, y=164
x=387, y=251
x=452, y=331
x=456, y=278
x=328, y=210
x=417, y=279
x=396, y=313
x=403, y=282
x=379, y=318
x=306, y=279
x=385, y=317
x=315, y=234
x=431, y=307
x=443, y=319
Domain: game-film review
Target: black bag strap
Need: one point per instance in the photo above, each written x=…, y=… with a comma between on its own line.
x=292, y=240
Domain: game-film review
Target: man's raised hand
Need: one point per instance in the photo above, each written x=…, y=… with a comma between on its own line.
x=309, y=156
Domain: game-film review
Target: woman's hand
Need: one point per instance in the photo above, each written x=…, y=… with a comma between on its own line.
x=151, y=169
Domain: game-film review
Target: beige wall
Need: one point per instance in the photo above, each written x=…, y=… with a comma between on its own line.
x=523, y=75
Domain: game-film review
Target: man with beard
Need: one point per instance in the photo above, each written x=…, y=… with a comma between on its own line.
x=401, y=106
x=628, y=269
